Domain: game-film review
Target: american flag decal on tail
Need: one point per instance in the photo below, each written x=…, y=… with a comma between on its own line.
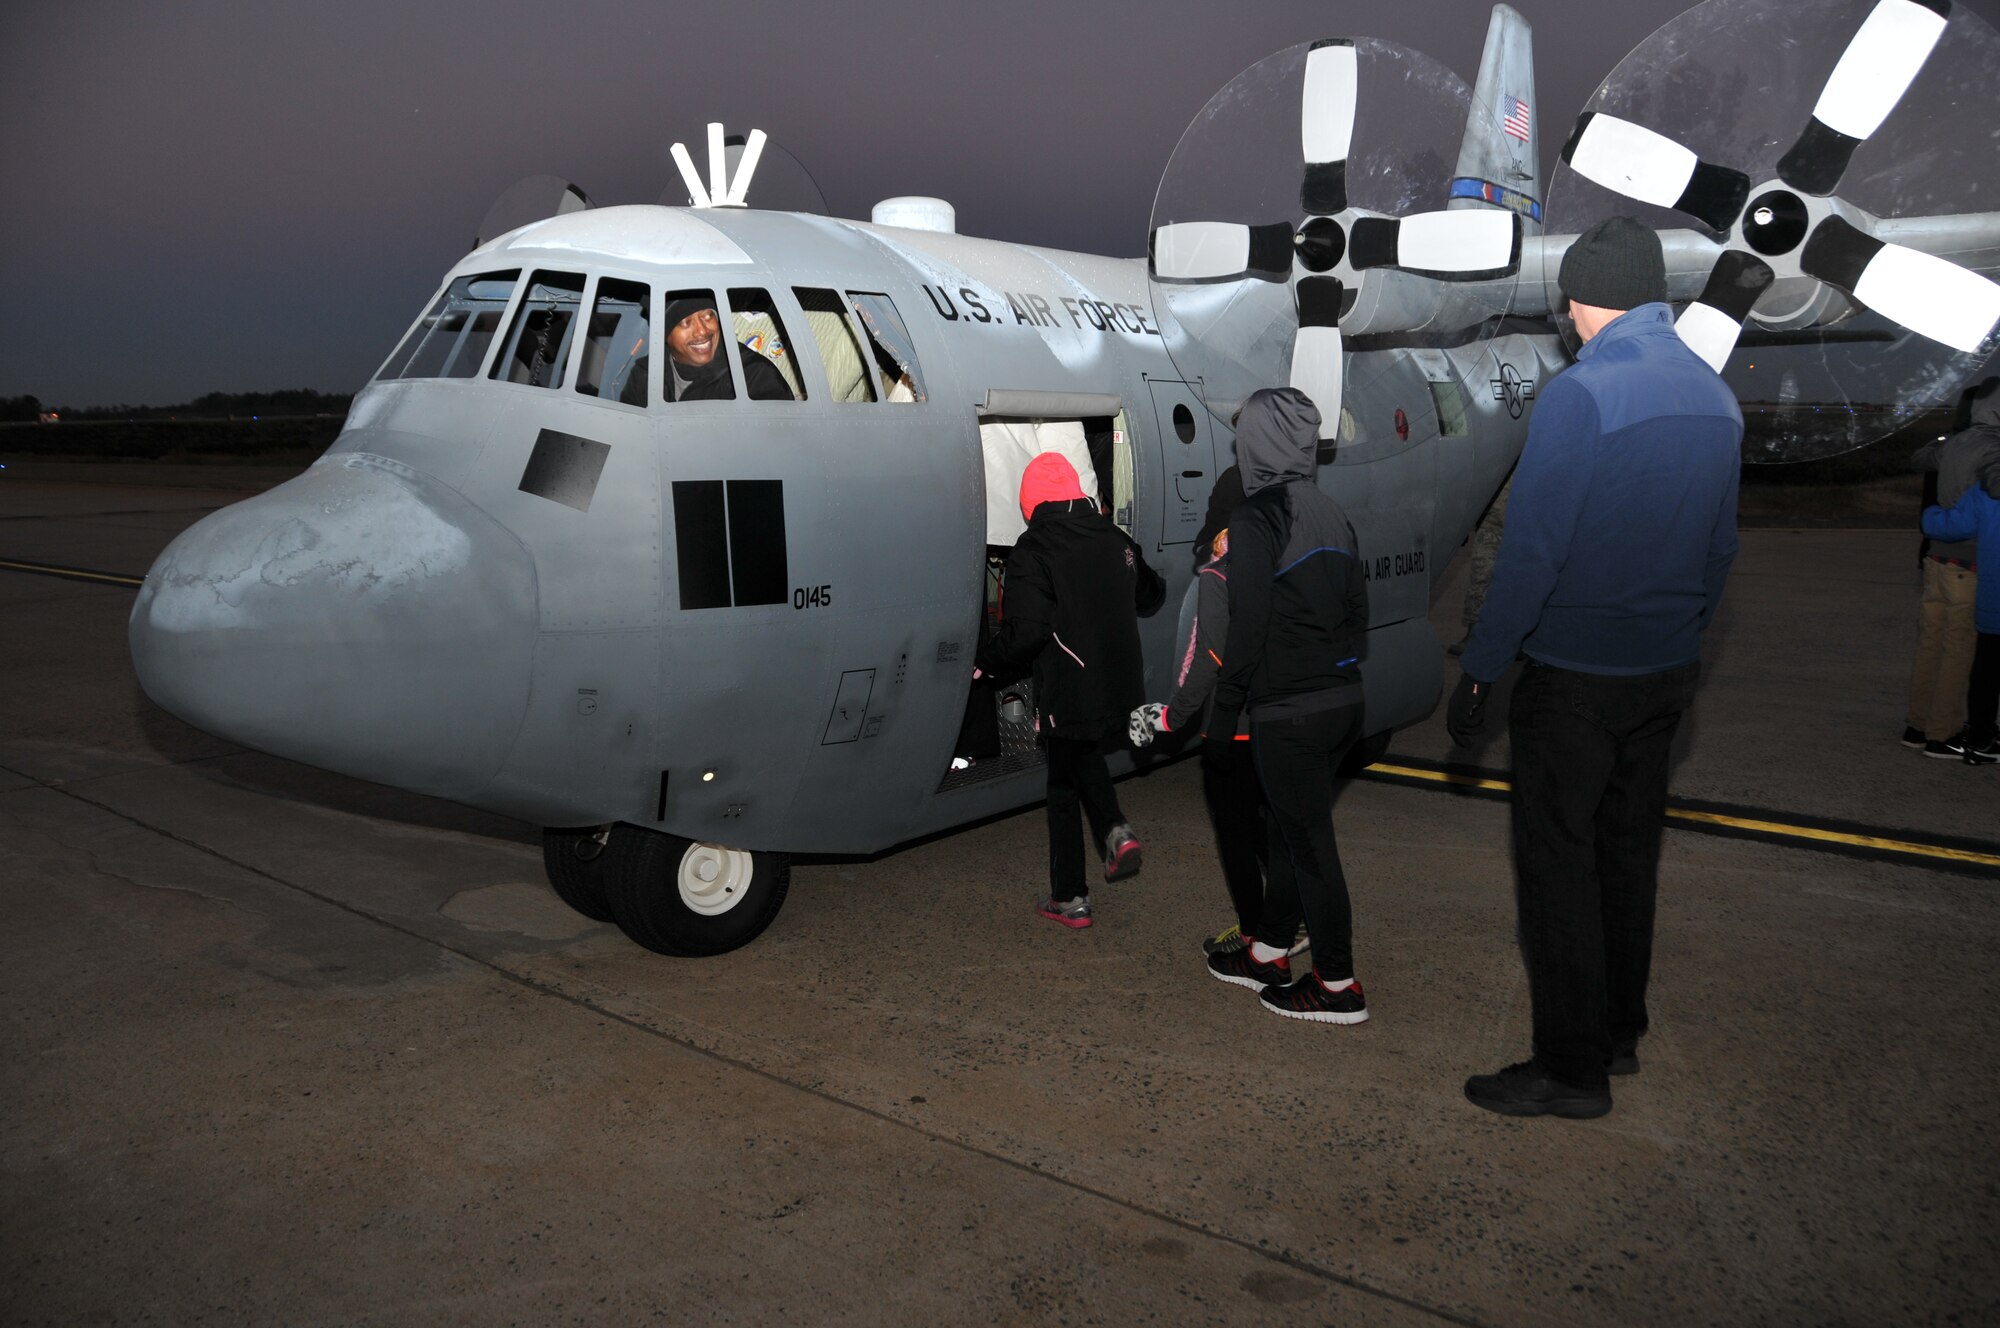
x=1515, y=122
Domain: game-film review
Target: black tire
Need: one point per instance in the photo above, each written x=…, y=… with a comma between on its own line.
x=651, y=878
x=575, y=863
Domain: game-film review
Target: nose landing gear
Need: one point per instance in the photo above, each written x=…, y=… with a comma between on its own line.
x=671, y=895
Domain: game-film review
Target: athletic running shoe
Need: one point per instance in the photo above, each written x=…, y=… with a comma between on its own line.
x=1121, y=853
x=1948, y=749
x=1069, y=912
x=1913, y=738
x=1527, y=1090
x=1245, y=970
x=1308, y=998
x=1624, y=1058
x=1986, y=753
x=1227, y=941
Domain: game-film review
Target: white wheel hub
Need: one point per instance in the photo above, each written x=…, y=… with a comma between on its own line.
x=713, y=879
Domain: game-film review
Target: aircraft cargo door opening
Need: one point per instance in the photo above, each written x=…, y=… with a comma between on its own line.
x=998, y=735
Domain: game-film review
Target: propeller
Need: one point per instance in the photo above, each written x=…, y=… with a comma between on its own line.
x=1326, y=256
x=1794, y=226
x=744, y=171
x=532, y=199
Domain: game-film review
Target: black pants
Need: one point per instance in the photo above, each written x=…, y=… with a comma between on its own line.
x=1590, y=791
x=1982, y=691
x=1296, y=760
x=1077, y=774
x=1236, y=812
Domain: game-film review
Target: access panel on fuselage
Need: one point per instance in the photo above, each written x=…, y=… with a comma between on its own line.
x=1188, y=458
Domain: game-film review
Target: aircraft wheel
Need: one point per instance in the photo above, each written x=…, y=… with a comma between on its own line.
x=575, y=863
x=678, y=897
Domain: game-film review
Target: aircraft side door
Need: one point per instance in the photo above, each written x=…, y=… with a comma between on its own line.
x=1188, y=466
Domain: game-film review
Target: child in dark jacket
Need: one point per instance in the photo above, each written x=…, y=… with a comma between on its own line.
x=1075, y=588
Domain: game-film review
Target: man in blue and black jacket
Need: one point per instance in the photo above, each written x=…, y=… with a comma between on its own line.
x=1298, y=611
x=1619, y=536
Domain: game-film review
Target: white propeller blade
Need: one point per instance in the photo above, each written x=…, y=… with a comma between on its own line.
x=697, y=195
x=1469, y=241
x=739, y=184
x=1200, y=250
x=1316, y=358
x=1317, y=351
x=1882, y=59
x=1326, y=125
x=1709, y=333
x=1878, y=67
x=1711, y=325
x=1634, y=161
x=1927, y=294
x=718, y=164
x=1221, y=250
x=1923, y=292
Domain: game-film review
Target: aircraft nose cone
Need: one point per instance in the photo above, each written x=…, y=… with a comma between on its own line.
x=361, y=618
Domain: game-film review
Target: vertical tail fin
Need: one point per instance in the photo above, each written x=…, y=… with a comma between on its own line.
x=1499, y=158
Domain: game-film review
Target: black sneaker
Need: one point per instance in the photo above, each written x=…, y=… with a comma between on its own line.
x=1986, y=753
x=1624, y=1058
x=1244, y=969
x=1526, y=1090
x=1947, y=749
x=1913, y=738
x=1121, y=853
x=1308, y=998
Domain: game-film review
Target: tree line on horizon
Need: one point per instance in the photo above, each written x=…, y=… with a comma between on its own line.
x=285, y=402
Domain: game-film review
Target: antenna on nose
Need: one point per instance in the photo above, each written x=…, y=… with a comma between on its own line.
x=722, y=190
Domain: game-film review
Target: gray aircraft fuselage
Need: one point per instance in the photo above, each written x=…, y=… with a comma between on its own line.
x=482, y=591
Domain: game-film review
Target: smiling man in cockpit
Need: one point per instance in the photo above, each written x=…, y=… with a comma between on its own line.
x=696, y=368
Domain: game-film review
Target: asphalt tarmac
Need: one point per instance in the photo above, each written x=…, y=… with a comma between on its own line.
x=281, y=1047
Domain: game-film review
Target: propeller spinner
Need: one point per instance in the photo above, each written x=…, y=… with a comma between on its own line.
x=1356, y=220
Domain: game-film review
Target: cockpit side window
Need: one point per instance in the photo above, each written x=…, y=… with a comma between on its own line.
x=848, y=364
x=895, y=355
x=537, y=347
x=617, y=343
x=758, y=331
x=697, y=361
x=450, y=341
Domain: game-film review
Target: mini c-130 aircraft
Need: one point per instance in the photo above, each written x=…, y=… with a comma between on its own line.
x=692, y=632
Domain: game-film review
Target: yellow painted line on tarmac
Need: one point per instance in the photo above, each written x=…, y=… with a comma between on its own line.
x=1806, y=834
x=1846, y=838
x=72, y=573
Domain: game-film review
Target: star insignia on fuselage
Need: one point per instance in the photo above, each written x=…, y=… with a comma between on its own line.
x=1513, y=389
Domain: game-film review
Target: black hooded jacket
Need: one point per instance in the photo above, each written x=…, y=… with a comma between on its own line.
x=1076, y=586
x=1298, y=604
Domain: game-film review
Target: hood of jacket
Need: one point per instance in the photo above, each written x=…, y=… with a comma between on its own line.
x=1986, y=408
x=1049, y=478
x=1277, y=436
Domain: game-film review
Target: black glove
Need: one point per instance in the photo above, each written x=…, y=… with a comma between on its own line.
x=1466, y=714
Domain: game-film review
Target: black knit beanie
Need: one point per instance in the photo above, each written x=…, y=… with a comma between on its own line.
x=1616, y=264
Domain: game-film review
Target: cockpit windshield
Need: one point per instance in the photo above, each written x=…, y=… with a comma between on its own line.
x=451, y=340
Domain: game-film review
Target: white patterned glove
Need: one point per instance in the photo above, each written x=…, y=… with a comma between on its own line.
x=1147, y=720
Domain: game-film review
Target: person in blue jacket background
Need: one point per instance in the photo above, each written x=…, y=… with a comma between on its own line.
x=1977, y=515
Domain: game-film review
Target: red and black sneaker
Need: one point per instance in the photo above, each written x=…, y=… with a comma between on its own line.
x=1243, y=969
x=1308, y=998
